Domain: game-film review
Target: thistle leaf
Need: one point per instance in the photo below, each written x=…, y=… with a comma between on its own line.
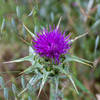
x=29, y=32
x=27, y=58
x=31, y=82
x=72, y=81
x=32, y=68
x=80, y=85
x=34, y=79
x=67, y=73
x=44, y=79
x=79, y=60
x=58, y=23
x=28, y=70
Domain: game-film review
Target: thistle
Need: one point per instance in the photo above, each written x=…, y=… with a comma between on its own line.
x=51, y=43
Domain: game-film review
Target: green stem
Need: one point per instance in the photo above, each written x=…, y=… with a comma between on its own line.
x=52, y=91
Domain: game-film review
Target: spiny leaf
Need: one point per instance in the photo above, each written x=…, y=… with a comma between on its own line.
x=31, y=82
x=80, y=85
x=29, y=32
x=34, y=79
x=79, y=60
x=45, y=76
x=27, y=58
x=58, y=23
x=78, y=37
x=32, y=52
x=32, y=68
x=28, y=70
x=72, y=81
x=66, y=72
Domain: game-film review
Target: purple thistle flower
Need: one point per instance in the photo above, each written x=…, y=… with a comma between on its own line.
x=51, y=43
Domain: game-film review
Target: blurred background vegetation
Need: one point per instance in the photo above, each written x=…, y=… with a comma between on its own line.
x=78, y=17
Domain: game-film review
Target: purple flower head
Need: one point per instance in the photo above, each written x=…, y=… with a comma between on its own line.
x=51, y=43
